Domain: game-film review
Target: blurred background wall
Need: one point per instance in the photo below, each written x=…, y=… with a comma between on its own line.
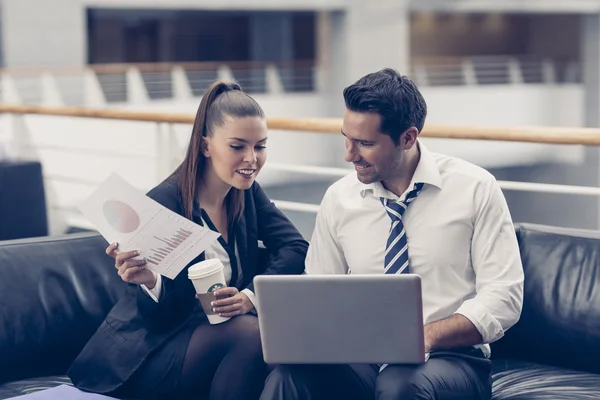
x=486, y=63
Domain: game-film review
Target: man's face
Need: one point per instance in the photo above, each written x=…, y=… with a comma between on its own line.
x=374, y=154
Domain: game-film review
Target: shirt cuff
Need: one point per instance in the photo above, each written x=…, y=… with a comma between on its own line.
x=488, y=326
x=251, y=297
x=154, y=293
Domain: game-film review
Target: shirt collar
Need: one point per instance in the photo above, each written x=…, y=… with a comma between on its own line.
x=427, y=172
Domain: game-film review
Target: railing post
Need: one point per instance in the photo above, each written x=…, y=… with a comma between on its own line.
x=50, y=91
x=469, y=73
x=224, y=73
x=514, y=71
x=421, y=75
x=274, y=84
x=548, y=71
x=136, y=88
x=92, y=90
x=181, y=84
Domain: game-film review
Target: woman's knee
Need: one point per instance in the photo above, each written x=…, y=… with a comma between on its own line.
x=245, y=327
x=245, y=322
x=245, y=334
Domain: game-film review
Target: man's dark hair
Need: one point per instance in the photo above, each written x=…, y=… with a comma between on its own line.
x=391, y=95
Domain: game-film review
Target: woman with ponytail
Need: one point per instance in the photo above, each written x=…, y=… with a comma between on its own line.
x=157, y=342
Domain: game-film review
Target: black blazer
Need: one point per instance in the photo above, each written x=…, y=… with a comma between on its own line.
x=137, y=324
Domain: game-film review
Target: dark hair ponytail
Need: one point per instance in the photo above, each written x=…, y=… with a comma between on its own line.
x=222, y=99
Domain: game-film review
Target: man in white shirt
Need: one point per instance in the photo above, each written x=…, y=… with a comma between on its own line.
x=409, y=210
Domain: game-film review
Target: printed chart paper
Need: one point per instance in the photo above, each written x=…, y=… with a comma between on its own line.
x=62, y=392
x=165, y=239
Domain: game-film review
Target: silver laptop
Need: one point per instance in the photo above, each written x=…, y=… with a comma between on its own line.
x=331, y=319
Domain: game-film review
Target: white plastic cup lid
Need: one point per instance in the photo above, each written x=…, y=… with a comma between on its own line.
x=205, y=268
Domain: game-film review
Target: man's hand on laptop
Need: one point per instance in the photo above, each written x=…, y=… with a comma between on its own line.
x=231, y=302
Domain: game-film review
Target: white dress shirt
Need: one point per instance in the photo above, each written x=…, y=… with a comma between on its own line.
x=216, y=250
x=461, y=241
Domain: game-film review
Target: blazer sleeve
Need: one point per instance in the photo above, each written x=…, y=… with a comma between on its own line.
x=281, y=238
x=177, y=300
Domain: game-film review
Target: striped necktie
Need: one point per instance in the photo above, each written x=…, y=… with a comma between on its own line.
x=396, y=249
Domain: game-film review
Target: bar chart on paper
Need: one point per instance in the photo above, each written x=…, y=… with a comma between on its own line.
x=165, y=238
x=169, y=244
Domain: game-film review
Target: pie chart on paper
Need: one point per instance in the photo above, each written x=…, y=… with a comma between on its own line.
x=121, y=216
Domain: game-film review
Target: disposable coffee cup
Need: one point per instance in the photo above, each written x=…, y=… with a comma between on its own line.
x=207, y=276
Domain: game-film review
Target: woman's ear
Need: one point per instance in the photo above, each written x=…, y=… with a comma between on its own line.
x=204, y=147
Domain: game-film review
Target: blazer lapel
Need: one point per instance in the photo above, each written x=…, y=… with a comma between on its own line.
x=241, y=238
x=197, y=218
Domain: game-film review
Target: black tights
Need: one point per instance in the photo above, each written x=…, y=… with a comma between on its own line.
x=223, y=362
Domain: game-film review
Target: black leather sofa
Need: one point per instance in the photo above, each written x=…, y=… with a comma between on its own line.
x=54, y=293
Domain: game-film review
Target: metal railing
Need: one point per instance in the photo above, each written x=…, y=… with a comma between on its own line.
x=102, y=84
x=105, y=84
x=494, y=70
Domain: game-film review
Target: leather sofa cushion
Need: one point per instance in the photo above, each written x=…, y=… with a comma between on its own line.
x=524, y=380
x=512, y=380
x=560, y=322
x=54, y=292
